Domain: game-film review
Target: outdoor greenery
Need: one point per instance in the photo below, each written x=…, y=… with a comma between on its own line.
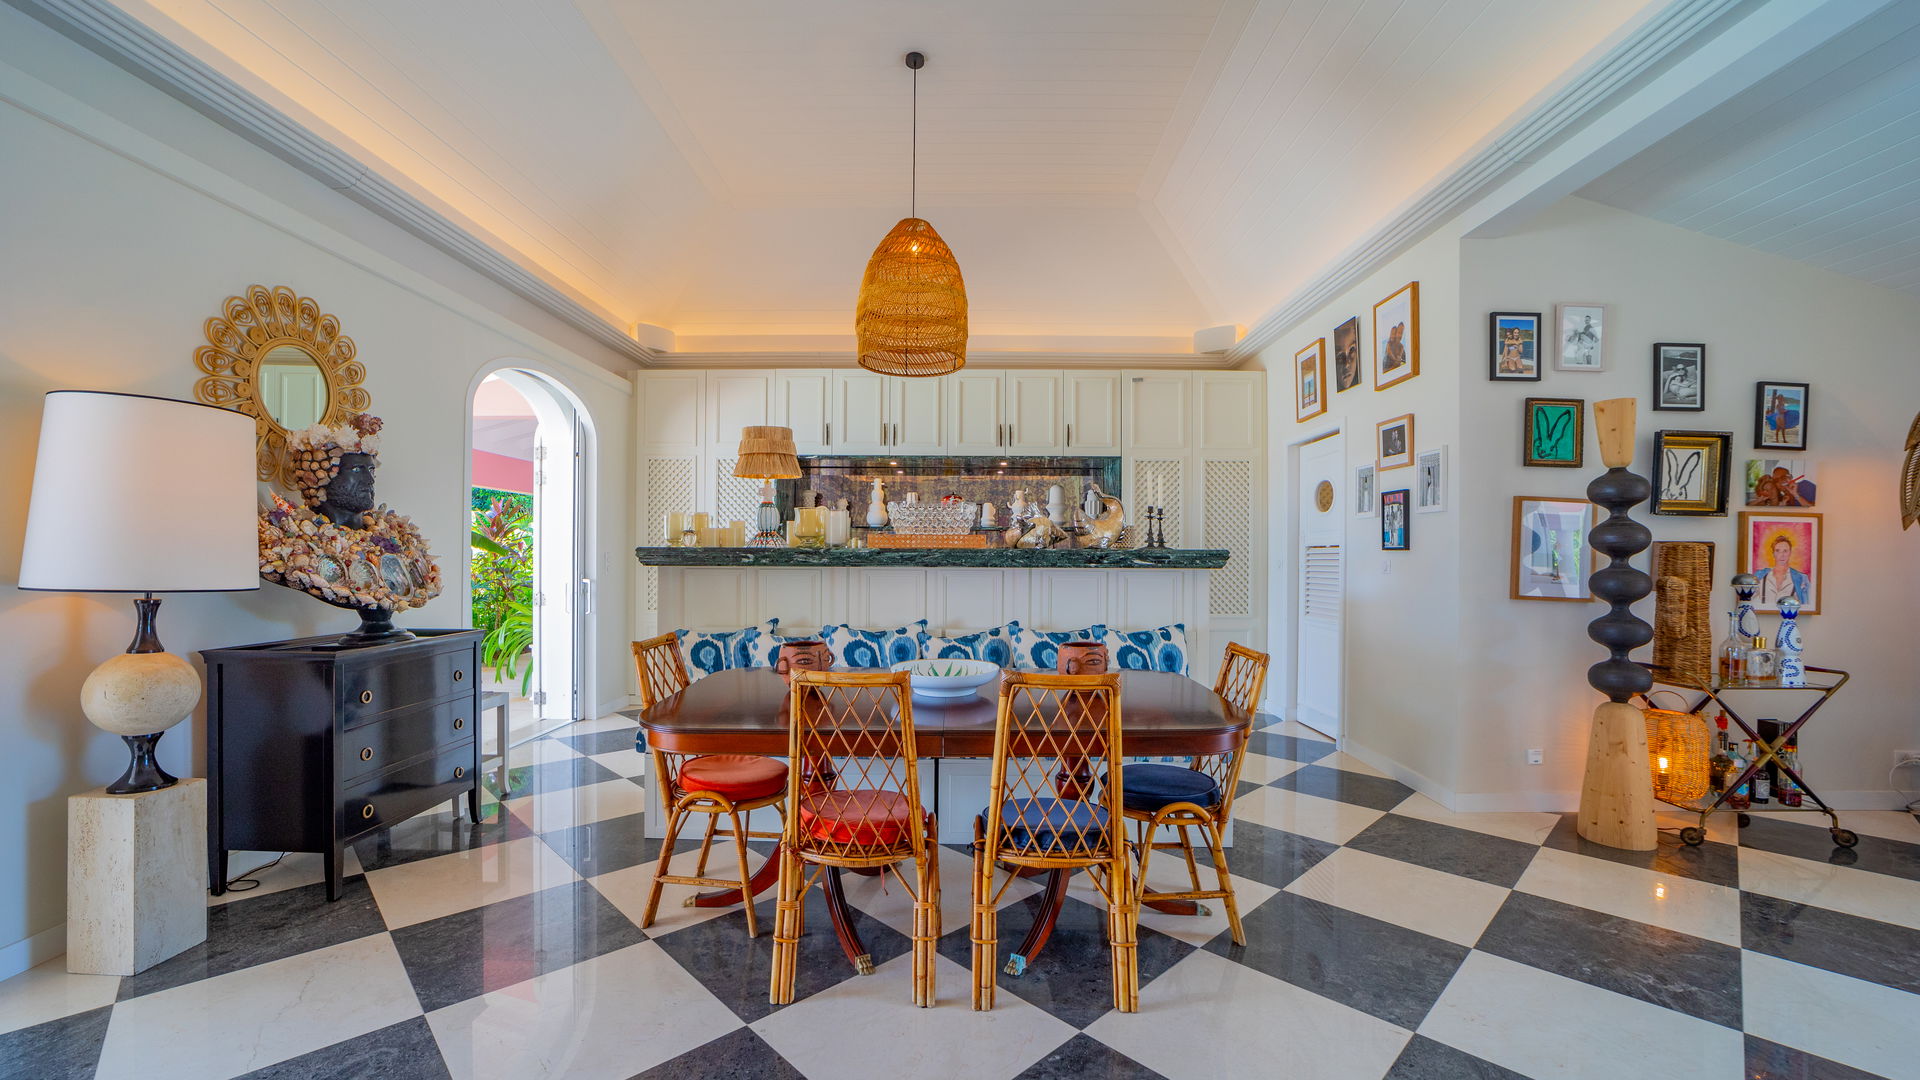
x=503, y=583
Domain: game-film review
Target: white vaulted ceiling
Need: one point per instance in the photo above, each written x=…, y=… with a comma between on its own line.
x=1112, y=174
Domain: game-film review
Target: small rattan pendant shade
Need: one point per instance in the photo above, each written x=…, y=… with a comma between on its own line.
x=767, y=453
x=912, y=314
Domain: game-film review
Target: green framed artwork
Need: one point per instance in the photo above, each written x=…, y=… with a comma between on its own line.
x=1555, y=433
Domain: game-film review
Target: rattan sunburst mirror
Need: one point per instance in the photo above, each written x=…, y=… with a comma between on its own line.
x=274, y=355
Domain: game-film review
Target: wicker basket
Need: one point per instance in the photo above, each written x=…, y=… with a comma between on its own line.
x=1683, y=599
x=1677, y=755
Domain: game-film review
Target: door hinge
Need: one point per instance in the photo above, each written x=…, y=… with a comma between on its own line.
x=539, y=697
x=539, y=599
x=540, y=452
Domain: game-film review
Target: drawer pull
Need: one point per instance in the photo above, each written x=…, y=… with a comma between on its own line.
x=459, y=675
x=367, y=811
x=459, y=771
x=366, y=697
x=459, y=722
x=366, y=753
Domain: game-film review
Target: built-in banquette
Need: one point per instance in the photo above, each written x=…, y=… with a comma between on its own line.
x=311, y=746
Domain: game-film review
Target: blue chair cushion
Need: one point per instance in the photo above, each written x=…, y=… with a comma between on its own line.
x=1147, y=788
x=1051, y=826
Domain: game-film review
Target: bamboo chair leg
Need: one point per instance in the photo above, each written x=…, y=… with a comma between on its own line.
x=1122, y=926
x=926, y=931
x=1186, y=848
x=1146, y=852
x=985, y=932
x=1218, y=843
x=786, y=930
x=706, y=846
x=746, y=887
x=663, y=867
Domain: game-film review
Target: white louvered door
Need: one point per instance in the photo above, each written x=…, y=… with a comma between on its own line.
x=1320, y=587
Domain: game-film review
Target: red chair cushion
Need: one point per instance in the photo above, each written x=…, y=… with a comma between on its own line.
x=863, y=816
x=739, y=777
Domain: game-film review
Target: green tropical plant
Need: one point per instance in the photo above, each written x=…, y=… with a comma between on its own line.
x=502, y=558
x=509, y=644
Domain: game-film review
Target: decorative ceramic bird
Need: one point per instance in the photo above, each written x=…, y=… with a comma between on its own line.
x=1106, y=530
x=1910, y=479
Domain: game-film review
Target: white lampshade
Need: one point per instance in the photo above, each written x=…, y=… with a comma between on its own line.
x=141, y=494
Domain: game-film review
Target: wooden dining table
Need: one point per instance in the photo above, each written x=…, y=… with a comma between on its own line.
x=744, y=711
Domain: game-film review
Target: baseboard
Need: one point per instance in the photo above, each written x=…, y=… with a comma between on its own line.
x=607, y=708
x=32, y=952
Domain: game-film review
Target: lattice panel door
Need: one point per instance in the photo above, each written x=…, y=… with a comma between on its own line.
x=734, y=499
x=1228, y=523
x=669, y=489
x=1150, y=476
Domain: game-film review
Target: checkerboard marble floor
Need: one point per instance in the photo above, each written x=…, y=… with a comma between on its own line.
x=1387, y=937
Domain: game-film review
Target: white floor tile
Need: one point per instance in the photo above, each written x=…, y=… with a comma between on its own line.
x=1442, y=905
x=627, y=889
x=426, y=889
x=541, y=751
x=606, y=1019
x=1842, y=888
x=609, y=722
x=628, y=763
x=885, y=900
x=1305, y=815
x=1169, y=874
x=1888, y=824
x=1261, y=769
x=248, y=1019
x=1857, y=1023
x=1670, y=901
x=1554, y=1028
x=1346, y=762
x=582, y=805
x=296, y=869
x=1527, y=828
x=1209, y=1016
x=48, y=992
x=868, y=1027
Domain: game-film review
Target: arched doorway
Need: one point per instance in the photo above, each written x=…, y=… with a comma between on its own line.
x=529, y=453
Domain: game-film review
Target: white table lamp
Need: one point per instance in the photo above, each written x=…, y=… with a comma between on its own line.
x=142, y=495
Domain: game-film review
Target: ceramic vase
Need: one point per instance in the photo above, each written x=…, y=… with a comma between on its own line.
x=1082, y=658
x=877, y=507
x=1793, y=671
x=802, y=656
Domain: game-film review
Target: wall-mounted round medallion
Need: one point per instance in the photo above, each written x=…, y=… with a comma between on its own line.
x=1323, y=496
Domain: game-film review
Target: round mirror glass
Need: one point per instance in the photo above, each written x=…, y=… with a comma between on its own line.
x=292, y=387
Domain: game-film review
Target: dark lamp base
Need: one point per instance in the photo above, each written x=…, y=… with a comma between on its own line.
x=376, y=628
x=143, y=772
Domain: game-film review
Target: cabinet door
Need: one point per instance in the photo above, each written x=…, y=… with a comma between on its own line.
x=860, y=413
x=914, y=412
x=975, y=423
x=735, y=400
x=800, y=402
x=1033, y=411
x=1093, y=413
x=669, y=409
x=1229, y=413
x=1156, y=411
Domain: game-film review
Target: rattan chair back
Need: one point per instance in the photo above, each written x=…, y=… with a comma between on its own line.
x=1055, y=736
x=852, y=734
x=661, y=669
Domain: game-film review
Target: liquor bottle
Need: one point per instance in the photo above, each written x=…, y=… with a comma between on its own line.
x=1762, y=790
x=1733, y=653
x=1793, y=671
x=1763, y=664
x=1788, y=791
x=1719, y=766
x=1738, y=797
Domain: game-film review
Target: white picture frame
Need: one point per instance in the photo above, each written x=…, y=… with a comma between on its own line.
x=1430, y=481
x=1365, y=501
x=1579, y=336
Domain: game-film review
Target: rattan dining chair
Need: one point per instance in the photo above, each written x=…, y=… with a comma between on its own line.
x=732, y=785
x=854, y=804
x=1197, y=797
x=1052, y=736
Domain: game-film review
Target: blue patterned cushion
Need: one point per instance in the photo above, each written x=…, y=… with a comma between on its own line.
x=995, y=646
x=707, y=653
x=856, y=648
x=1160, y=649
x=1146, y=788
x=757, y=647
x=1039, y=650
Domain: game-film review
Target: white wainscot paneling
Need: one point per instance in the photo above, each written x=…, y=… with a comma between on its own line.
x=794, y=595
x=969, y=600
x=1145, y=601
x=714, y=598
x=884, y=598
x=1071, y=599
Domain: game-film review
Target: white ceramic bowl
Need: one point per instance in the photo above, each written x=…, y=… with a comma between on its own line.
x=948, y=680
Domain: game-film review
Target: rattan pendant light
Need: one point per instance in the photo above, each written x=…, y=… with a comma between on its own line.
x=912, y=315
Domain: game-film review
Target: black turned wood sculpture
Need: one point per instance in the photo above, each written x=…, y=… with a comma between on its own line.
x=1616, y=802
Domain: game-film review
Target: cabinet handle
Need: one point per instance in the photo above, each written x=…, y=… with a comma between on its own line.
x=459, y=676
x=366, y=697
x=459, y=722
x=459, y=771
x=1069, y=434
x=366, y=753
x=829, y=439
x=367, y=811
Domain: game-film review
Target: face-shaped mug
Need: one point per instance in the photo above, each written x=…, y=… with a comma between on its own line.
x=1082, y=658
x=802, y=656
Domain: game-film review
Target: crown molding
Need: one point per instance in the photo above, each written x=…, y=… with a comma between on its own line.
x=981, y=360
x=131, y=43
x=1563, y=111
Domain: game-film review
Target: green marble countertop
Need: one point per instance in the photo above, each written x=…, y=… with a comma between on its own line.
x=1083, y=558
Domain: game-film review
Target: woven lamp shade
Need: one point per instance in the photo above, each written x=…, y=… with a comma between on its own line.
x=912, y=315
x=767, y=453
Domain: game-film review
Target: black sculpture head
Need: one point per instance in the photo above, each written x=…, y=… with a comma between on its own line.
x=349, y=495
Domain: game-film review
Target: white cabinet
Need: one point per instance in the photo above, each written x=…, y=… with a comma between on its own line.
x=800, y=402
x=670, y=411
x=976, y=421
x=1228, y=410
x=913, y=409
x=1004, y=412
x=1093, y=412
x=736, y=400
x=859, y=416
x=1156, y=404
x=1033, y=413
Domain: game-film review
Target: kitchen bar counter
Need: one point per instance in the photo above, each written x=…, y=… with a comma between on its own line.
x=941, y=558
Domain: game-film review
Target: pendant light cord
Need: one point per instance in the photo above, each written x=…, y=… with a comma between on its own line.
x=913, y=182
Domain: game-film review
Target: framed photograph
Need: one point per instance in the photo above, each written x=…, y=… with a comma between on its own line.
x=1363, y=491
x=1346, y=355
x=1555, y=433
x=1581, y=330
x=1780, y=482
x=1783, y=551
x=1513, y=346
x=1310, y=381
x=1680, y=377
x=1690, y=471
x=1780, y=415
x=1396, y=528
x=1393, y=440
x=1396, y=337
x=1551, y=557
x=1430, y=480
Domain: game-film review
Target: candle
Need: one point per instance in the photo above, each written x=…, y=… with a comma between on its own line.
x=811, y=521
x=709, y=536
x=737, y=534
x=676, y=525
x=702, y=519
x=839, y=528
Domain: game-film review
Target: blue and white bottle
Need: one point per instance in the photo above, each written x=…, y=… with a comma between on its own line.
x=1792, y=671
x=1748, y=623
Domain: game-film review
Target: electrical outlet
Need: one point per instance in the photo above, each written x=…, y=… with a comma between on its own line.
x=1536, y=757
x=1905, y=757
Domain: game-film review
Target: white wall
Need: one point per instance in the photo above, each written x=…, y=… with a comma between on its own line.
x=116, y=248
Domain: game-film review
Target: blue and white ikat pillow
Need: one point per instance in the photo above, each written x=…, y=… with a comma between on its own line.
x=994, y=646
x=709, y=652
x=1160, y=649
x=755, y=647
x=1039, y=650
x=856, y=648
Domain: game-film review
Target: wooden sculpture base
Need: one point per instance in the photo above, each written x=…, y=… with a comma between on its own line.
x=1616, y=802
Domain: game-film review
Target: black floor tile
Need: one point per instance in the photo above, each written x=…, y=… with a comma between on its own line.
x=1291, y=747
x=63, y=1049
x=1085, y=1058
x=1425, y=1059
x=439, y=833
x=737, y=1055
x=1389, y=971
x=1771, y=1061
x=1862, y=948
x=1273, y=856
x=601, y=742
x=1874, y=853
x=614, y=844
x=1715, y=863
x=1495, y=860
x=405, y=1050
x=1340, y=785
x=469, y=953
x=255, y=930
x=1661, y=967
x=557, y=776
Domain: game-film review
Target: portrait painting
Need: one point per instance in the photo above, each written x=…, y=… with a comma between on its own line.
x=1780, y=482
x=1680, y=376
x=1430, y=481
x=1783, y=551
x=1396, y=337
x=1394, y=438
x=1690, y=473
x=1513, y=346
x=1554, y=435
x=1363, y=491
x=1551, y=556
x=1581, y=331
x=1346, y=355
x=1310, y=377
x=1780, y=416
x=1395, y=526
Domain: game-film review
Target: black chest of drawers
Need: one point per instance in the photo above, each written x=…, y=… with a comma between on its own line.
x=310, y=747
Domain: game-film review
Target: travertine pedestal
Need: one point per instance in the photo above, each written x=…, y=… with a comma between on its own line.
x=136, y=867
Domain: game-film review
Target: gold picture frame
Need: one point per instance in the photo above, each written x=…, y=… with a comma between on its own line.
x=1383, y=442
x=1396, y=341
x=1554, y=569
x=1310, y=381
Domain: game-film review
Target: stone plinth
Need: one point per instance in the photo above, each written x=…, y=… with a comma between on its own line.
x=136, y=865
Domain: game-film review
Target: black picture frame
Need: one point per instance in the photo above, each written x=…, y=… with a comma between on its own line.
x=1495, y=342
x=1675, y=468
x=1400, y=499
x=1667, y=396
x=1761, y=391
